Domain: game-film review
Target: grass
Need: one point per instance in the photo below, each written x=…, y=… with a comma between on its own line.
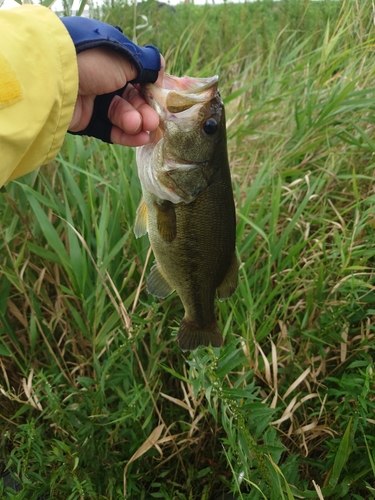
x=96, y=399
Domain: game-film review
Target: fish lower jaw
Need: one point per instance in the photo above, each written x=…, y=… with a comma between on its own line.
x=170, y=165
x=164, y=193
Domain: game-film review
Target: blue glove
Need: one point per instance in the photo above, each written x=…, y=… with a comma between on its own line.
x=89, y=33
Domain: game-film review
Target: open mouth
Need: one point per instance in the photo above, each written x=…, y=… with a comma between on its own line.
x=179, y=94
x=188, y=84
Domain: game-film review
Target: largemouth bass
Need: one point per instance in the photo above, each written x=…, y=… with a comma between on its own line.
x=188, y=207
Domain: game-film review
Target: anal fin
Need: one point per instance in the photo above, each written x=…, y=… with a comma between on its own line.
x=157, y=284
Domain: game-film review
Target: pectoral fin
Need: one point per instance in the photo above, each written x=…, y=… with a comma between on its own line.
x=166, y=220
x=140, y=225
x=157, y=284
x=229, y=284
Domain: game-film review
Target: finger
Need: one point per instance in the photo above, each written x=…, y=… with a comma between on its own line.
x=123, y=115
x=132, y=114
x=118, y=136
x=150, y=118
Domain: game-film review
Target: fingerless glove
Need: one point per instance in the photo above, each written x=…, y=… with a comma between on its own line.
x=89, y=33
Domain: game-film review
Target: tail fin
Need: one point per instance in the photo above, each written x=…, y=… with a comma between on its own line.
x=190, y=335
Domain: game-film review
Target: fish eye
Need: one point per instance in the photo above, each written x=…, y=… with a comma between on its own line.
x=210, y=126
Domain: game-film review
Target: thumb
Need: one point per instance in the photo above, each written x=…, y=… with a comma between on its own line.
x=102, y=71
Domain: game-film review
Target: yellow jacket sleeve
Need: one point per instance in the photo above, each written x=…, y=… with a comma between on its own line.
x=38, y=88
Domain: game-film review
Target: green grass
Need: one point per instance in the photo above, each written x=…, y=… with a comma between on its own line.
x=96, y=398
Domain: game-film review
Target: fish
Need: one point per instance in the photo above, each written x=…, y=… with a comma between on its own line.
x=187, y=207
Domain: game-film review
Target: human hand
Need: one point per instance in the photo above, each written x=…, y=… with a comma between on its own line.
x=102, y=71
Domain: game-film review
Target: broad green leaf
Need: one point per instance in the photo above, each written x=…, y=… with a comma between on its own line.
x=342, y=455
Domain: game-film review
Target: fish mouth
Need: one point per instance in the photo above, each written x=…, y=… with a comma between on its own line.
x=179, y=94
x=188, y=84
